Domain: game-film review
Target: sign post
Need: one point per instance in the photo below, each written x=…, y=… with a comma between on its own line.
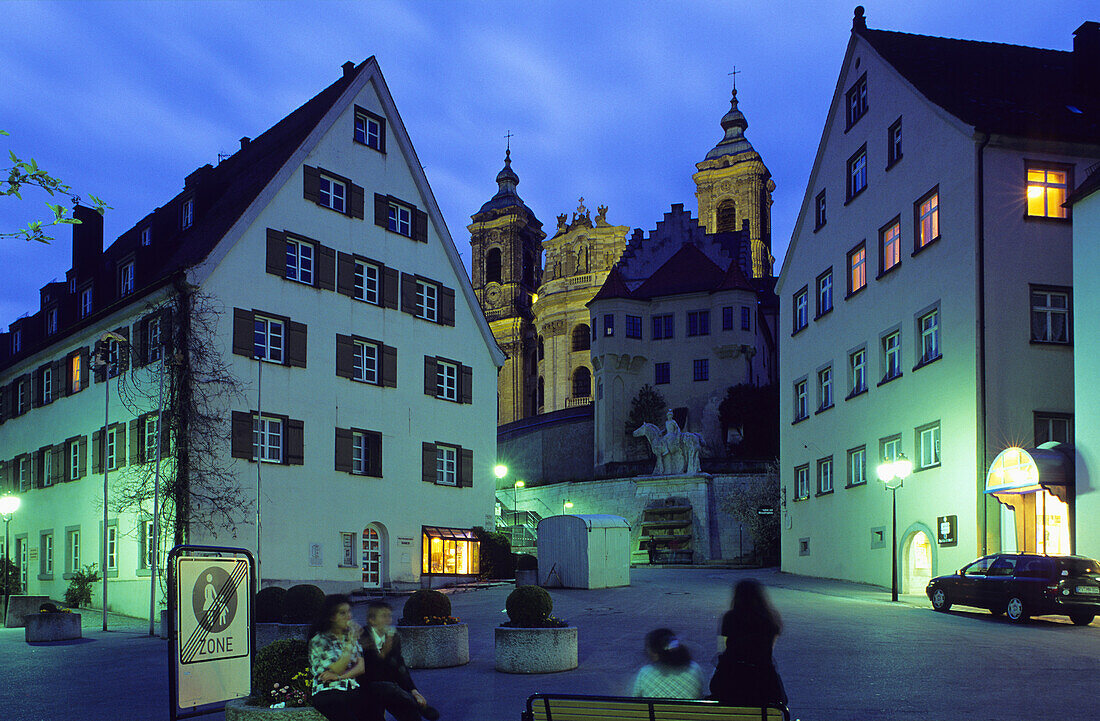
x=212, y=637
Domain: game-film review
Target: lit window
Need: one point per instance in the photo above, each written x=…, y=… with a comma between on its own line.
x=112, y=548
x=929, y=336
x=446, y=460
x=820, y=211
x=893, y=143
x=268, y=340
x=368, y=131
x=187, y=213
x=825, y=388
x=825, y=475
x=634, y=326
x=661, y=373
x=267, y=439
x=609, y=325
x=857, y=466
x=801, y=310
x=890, y=245
x=400, y=219
x=450, y=551
x=857, y=361
x=856, y=101
x=126, y=279
x=86, y=302
x=446, y=380
x=365, y=362
x=928, y=220
x=802, y=481
x=825, y=292
x=299, y=261
x=701, y=369
x=76, y=373
x=367, y=282
x=1046, y=191
x=891, y=350
x=331, y=193
x=857, y=269
x=800, y=411
x=426, y=300
x=51, y=321
x=857, y=173
x=1050, y=316
x=147, y=235
x=928, y=439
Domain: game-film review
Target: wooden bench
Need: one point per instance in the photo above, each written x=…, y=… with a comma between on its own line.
x=571, y=707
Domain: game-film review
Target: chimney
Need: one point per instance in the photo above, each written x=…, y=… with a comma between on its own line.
x=349, y=68
x=197, y=176
x=245, y=141
x=87, y=240
x=859, y=22
x=1086, y=63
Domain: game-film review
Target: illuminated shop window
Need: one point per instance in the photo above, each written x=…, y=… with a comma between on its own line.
x=453, y=551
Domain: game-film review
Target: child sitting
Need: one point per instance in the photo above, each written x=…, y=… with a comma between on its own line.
x=672, y=673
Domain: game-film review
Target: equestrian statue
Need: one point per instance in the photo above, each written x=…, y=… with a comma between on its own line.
x=676, y=451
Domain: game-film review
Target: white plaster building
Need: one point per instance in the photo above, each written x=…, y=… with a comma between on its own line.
x=925, y=302
x=336, y=299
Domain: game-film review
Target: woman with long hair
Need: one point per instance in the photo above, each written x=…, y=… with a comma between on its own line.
x=671, y=673
x=336, y=663
x=746, y=673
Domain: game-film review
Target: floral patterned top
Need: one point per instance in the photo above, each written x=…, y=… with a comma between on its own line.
x=325, y=650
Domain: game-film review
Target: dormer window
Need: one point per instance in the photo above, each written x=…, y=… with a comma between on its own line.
x=16, y=341
x=86, y=302
x=147, y=235
x=126, y=279
x=51, y=321
x=187, y=214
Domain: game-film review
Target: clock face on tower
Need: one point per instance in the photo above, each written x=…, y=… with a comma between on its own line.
x=493, y=296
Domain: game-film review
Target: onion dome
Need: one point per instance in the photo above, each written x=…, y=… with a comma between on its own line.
x=734, y=124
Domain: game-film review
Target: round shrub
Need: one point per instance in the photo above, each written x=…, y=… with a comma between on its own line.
x=48, y=607
x=302, y=603
x=278, y=663
x=529, y=606
x=424, y=604
x=269, y=604
x=526, y=562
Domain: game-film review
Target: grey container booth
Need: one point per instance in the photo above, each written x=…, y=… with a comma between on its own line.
x=584, y=551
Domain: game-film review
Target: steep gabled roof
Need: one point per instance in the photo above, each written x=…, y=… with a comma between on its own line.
x=735, y=279
x=995, y=87
x=613, y=287
x=689, y=270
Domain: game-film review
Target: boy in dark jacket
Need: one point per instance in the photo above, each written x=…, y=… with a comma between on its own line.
x=386, y=676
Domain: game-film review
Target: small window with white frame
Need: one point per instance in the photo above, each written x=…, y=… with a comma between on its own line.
x=893, y=144
x=360, y=453
x=800, y=310
x=820, y=216
x=187, y=214
x=147, y=235
x=74, y=552
x=857, y=172
x=889, y=448
x=427, y=300
x=111, y=454
x=153, y=339
x=150, y=439
x=126, y=278
x=365, y=362
x=446, y=380
x=368, y=282
x=299, y=261
x=45, y=465
x=802, y=481
x=47, y=553
x=1056, y=427
x=857, y=365
x=148, y=544
x=446, y=465
x=369, y=129
x=51, y=321
x=891, y=355
x=928, y=445
x=825, y=388
x=16, y=340
x=267, y=439
x=23, y=473
x=857, y=466
x=824, y=293
x=800, y=401
x=928, y=325
x=73, y=471
x=825, y=475
x=269, y=340
x=927, y=211
x=1051, y=318
x=112, y=548
x=856, y=101
x=46, y=383
x=332, y=193
x=400, y=219
x=86, y=302
x=347, y=543
x=890, y=246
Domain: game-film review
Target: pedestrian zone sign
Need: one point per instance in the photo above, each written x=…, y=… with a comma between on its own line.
x=213, y=634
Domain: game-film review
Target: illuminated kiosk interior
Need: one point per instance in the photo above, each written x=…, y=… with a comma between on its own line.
x=1037, y=485
x=450, y=552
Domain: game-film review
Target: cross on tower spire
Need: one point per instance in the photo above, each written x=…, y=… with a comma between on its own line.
x=508, y=138
x=734, y=76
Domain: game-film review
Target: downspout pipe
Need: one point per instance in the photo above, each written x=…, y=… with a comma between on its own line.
x=982, y=449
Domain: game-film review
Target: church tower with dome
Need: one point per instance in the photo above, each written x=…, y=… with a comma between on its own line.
x=506, y=260
x=733, y=185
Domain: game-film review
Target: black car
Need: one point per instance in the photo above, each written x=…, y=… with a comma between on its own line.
x=1020, y=585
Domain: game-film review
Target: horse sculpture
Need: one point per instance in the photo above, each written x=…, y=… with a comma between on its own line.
x=677, y=451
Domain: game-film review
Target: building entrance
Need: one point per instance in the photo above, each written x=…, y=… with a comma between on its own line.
x=918, y=563
x=372, y=558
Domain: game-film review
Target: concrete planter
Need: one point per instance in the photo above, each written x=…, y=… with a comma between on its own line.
x=527, y=578
x=21, y=606
x=40, y=627
x=435, y=646
x=268, y=633
x=536, y=650
x=239, y=710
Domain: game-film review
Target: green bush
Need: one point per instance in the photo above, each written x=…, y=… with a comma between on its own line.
x=302, y=603
x=529, y=607
x=269, y=604
x=79, y=592
x=278, y=663
x=495, y=554
x=9, y=578
x=526, y=562
x=423, y=605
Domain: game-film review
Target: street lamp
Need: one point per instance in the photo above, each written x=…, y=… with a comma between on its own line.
x=8, y=505
x=566, y=506
x=500, y=470
x=893, y=473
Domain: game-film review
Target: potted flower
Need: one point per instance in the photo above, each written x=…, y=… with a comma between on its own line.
x=532, y=640
x=430, y=636
x=51, y=623
x=281, y=682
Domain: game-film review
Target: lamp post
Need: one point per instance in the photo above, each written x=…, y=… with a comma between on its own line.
x=8, y=505
x=103, y=361
x=893, y=473
x=565, y=506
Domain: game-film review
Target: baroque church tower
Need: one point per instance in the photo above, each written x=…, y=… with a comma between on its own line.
x=506, y=249
x=733, y=186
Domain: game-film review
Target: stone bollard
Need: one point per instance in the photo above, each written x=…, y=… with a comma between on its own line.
x=40, y=627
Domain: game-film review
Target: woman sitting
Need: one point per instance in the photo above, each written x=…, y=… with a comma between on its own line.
x=672, y=673
x=336, y=664
x=746, y=674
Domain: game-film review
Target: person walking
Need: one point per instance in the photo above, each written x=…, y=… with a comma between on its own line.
x=671, y=673
x=746, y=674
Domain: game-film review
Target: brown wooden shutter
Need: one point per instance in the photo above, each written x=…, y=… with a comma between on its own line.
x=276, y=252
x=420, y=226
x=124, y=349
x=38, y=466
x=326, y=267
x=355, y=201
x=408, y=294
x=244, y=322
x=465, y=468
x=345, y=274
x=431, y=384
x=140, y=335
x=241, y=435
x=36, y=388
x=389, y=366
x=465, y=384
x=446, y=306
x=82, y=465
x=60, y=386
x=165, y=436
x=166, y=334
x=427, y=462
x=120, y=445
x=311, y=185
x=343, y=450
x=85, y=361
x=97, y=452
x=57, y=464
x=295, y=442
x=25, y=392
x=381, y=210
x=374, y=449
x=390, y=285
x=137, y=450
x=296, y=344
x=345, y=356
x=4, y=393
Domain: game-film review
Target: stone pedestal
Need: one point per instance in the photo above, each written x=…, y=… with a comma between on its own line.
x=536, y=650
x=39, y=627
x=435, y=646
x=239, y=710
x=20, y=606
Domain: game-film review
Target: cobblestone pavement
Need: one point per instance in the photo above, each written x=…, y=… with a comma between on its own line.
x=846, y=653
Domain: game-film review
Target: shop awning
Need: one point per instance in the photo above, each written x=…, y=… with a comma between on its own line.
x=1019, y=471
x=459, y=533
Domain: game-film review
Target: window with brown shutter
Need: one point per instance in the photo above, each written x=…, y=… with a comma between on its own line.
x=120, y=445
x=343, y=450
x=58, y=465
x=97, y=452
x=381, y=210
x=465, y=468
x=390, y=286
x=296, y=344
x=311, y=183
x=427, y=462
x=420, y=226
x=345, y=356
x=295, y=442
x=466, y=385
x=389, y=366
x=137, y=435
x=241, y=435
x=356, y=201
x=276, y=252
x=431, y=385
x=243, y=338
x=345, y=274
x=408, y=293
x=446, y=306
x=124, y=350
x=374, y=449
x=326, y=267
x=83, y=465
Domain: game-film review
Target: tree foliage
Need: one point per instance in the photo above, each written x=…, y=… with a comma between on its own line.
x=753, y=413
x=9, y=578
x=744, y=502
x=646, y=407
x=27, y=173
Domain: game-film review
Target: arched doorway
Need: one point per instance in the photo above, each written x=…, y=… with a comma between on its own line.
x=372, y=557
x=917, y=568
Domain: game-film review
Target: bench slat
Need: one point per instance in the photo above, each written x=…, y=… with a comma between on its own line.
x=606, y=708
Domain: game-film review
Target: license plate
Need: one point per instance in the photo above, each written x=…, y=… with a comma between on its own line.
x=1093, y=590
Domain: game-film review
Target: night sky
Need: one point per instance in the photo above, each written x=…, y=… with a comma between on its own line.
x=615, y=101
